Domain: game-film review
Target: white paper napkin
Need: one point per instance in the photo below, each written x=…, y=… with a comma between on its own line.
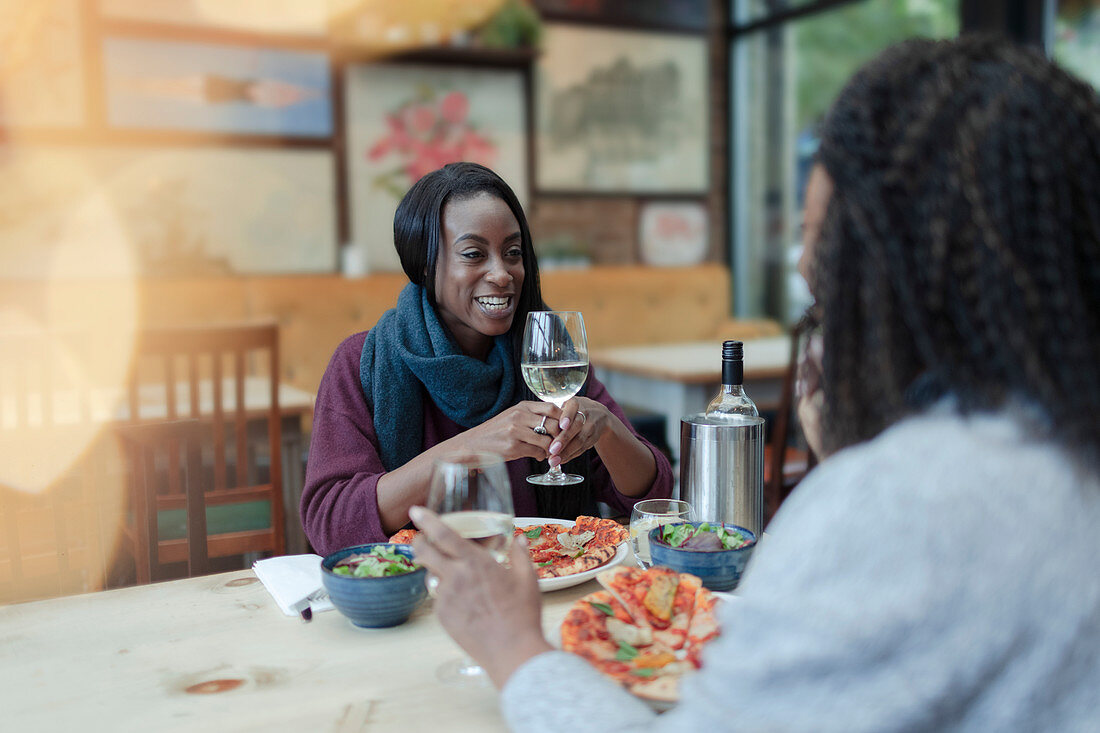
x=290, y=579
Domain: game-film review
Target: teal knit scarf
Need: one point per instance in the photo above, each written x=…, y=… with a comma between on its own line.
x=408, y=353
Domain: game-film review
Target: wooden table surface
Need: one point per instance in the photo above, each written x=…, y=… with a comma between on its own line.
x=695, y=362
x=137, y=659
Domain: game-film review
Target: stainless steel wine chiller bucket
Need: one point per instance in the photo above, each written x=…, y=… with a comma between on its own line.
x=722, y=470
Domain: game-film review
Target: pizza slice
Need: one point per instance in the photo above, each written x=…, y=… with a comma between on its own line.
x=703, y=626
x=662, y=688
x=599, y=630
x=675, y=634
x=404, y=536
x=620, y=641
x=606, y=531
x=658, y=598
x=557, y=550
x=622, y=583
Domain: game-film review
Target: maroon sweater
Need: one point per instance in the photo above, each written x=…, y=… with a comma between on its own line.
x=339, y=503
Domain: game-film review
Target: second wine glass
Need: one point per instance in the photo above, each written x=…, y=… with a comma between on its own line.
x=472, y=495
x=555, y=365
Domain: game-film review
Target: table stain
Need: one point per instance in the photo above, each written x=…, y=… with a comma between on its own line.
x=266, y=676
x=226, y=678
x=240, y=581
x=250, y=584
x=211, y=687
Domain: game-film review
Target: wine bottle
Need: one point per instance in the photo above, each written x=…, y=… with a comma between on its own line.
x=731, y=402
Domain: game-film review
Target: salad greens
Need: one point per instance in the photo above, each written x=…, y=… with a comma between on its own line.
x=704, y=537
x=379, y=562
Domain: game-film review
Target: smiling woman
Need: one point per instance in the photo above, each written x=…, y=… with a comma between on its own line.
x=480, y=271
x=440, y=372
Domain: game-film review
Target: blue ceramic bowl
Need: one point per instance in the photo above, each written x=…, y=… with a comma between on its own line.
x=718, y=569
x=374, y=602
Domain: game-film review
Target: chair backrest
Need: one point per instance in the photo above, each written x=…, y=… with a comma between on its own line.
x=226, y=377
x=783, y=473
x=167, y=453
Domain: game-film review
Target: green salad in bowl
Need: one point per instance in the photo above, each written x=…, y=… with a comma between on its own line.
x=382, y=560
x=703, y=536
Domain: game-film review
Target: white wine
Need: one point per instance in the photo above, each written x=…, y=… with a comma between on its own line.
x=491, y=530
x=555, y=381
x=639, y=533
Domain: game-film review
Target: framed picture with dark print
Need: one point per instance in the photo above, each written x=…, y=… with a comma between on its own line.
x=621, y=112
x=404, y=120
x=197, y=210
x=42, y=80
x=682, y=15
x=216, y=88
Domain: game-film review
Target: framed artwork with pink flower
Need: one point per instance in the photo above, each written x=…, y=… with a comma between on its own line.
x=405, y=120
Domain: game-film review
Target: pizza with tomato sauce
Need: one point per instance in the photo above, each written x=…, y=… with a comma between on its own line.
x=645, y=630
x=559, y=549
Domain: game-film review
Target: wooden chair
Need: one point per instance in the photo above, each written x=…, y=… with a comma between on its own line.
x=165, y=461
x=785, y=465
x=226, y=377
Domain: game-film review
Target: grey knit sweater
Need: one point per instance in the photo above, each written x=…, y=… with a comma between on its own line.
x=940, y=577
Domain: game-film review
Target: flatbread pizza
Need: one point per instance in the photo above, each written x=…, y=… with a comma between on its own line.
x=559, y=550
x=645, y=630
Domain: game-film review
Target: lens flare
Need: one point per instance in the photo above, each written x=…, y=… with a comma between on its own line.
x=67, y=328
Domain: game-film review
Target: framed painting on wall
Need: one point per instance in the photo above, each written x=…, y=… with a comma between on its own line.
x=405, y=120
x=41, y=73
x=192, y=211
x=621, y=112
x=209, y=87
x=673, y=233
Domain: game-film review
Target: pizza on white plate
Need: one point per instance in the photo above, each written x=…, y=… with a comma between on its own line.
x=559, y=550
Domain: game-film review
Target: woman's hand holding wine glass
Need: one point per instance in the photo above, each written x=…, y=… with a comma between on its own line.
x=471, y=494
x=555, y=366
x=492, y=611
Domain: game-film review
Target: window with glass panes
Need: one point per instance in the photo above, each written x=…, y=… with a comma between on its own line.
x=788, y=60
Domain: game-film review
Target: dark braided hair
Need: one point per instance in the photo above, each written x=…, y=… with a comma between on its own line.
x=961, y=249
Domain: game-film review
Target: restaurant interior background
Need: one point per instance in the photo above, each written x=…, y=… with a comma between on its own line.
x=224, y=175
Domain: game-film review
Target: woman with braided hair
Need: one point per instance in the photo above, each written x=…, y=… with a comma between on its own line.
x=937, y=571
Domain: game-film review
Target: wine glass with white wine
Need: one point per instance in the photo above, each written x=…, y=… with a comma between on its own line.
x=472, y=494
x=554, y=365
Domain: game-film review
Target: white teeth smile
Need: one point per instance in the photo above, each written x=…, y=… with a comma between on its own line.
x=494, y=304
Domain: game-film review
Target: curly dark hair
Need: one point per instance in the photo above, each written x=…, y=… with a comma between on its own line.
x=961, y=249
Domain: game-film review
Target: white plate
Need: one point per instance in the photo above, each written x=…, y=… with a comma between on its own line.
x=568, y=581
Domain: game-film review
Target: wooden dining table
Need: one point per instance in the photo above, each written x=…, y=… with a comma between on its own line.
x=216, y=653
x=680, y=378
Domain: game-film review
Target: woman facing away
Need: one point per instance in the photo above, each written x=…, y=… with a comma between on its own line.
x=440, y=373
x=937, y=571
